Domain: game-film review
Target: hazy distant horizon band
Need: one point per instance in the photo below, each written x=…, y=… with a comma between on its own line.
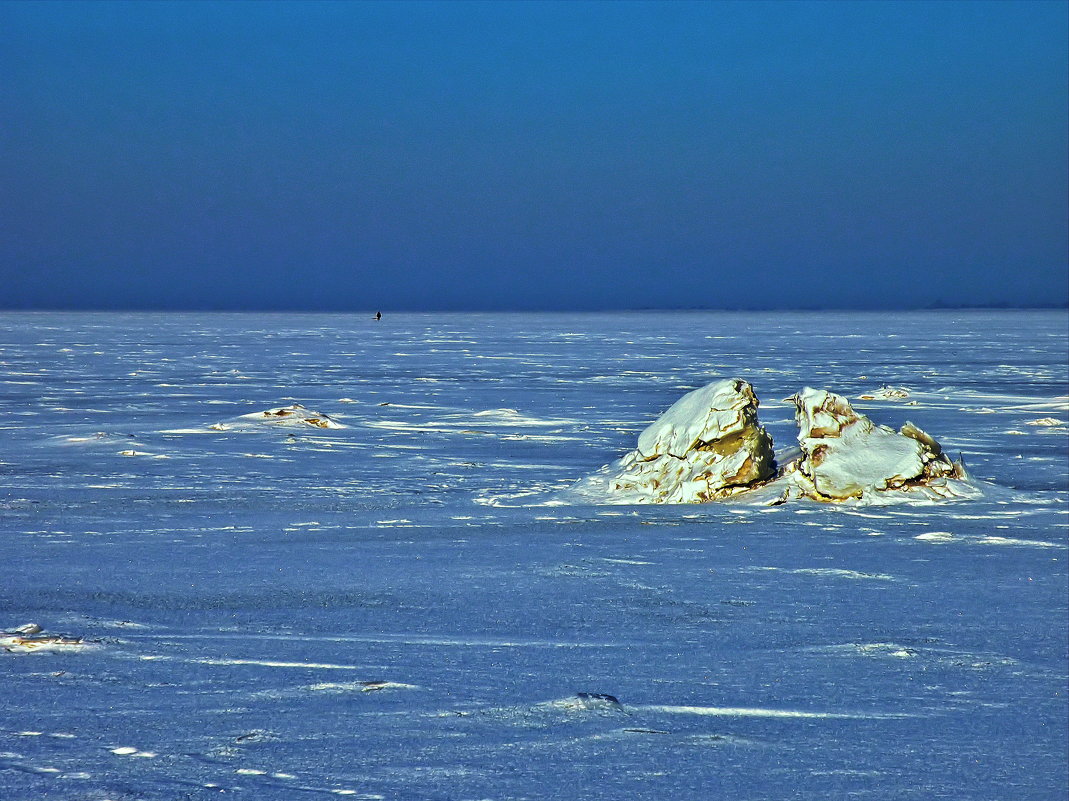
x=578, y=310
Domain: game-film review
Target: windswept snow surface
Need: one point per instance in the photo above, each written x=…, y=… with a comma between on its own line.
x=390, y=609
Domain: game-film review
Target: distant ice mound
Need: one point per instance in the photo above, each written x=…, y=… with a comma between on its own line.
x=29, y=638
x=845, y=455
x=294, y=414
x=706, y=447
x=886, y=392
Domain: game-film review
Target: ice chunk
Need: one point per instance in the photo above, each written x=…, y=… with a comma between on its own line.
x=599, y=702
x=707, y=446
x=29, y=637
x=886, y=393
x=846, y=455
x=295, y=414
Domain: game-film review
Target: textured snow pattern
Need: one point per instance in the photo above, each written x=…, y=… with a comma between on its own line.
x=406, y=609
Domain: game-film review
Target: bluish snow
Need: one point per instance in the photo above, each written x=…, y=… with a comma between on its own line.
x=390, y=610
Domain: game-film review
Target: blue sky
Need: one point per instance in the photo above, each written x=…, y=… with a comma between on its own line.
x=532, y=155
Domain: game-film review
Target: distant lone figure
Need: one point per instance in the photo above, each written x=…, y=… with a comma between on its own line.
x=378, y=315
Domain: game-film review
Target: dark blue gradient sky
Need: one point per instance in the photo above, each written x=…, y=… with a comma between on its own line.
x=532, y=155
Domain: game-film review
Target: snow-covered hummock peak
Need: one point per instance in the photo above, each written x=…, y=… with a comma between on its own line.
x=707, y=446
x=845, y=455
x=702, y=416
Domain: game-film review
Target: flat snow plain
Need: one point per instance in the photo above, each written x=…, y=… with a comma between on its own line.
x=398, y=610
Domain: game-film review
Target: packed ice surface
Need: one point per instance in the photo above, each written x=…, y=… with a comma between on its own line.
x=289, y=611
x=707, y=446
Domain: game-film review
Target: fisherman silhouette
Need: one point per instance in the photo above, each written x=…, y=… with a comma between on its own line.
x=378, y=315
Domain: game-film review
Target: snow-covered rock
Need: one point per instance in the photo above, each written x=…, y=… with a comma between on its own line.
x=707, y=446
x=845, y=455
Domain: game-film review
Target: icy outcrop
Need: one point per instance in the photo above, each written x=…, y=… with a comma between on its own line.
x=597, y=702
x=707, y=446
x=1049, y=422
x=886, y=393
x=29, y=638
x=294, y=414
x=845, y=455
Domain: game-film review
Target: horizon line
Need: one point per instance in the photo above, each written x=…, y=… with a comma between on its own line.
x=1064, y=306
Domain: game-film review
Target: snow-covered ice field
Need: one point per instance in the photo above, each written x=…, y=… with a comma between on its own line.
x=397, y=608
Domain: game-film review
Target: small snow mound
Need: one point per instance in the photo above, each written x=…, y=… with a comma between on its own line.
x=29, y=638
x=935, y=536
x=340, y=687
x=294, y=414
x=600, y=702
x=886, y=393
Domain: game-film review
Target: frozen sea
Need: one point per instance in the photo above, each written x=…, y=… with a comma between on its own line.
x=396, y=609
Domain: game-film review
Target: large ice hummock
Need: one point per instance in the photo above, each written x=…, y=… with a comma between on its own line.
x=845, y=455
x=707, y=446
